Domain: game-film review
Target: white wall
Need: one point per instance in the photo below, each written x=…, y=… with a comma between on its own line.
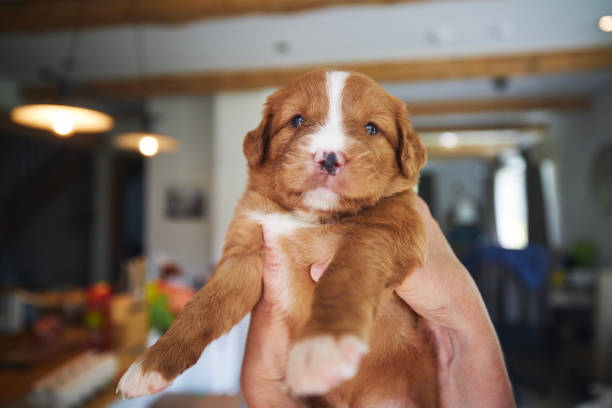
x=234, y=114
x=187, y=119
x=581, y=137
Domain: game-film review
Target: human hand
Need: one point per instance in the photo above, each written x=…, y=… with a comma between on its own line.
x=471, y=369
x=471, y=366
x=442, y=291
x=267, y=348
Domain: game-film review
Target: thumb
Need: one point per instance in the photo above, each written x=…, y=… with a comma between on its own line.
x=317, y=269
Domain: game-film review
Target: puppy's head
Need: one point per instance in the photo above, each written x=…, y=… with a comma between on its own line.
x=333, y=141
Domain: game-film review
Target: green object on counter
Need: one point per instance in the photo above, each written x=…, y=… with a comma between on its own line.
x=93, y=319
x=160, y=314
x=584, y=253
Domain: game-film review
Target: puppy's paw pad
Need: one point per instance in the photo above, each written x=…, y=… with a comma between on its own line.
x=318, y=364
x=136, y=383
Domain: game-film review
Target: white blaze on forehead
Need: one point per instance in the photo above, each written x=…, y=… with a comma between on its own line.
x=331, y=137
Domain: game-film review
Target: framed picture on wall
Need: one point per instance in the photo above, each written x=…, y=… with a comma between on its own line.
x=184, y=202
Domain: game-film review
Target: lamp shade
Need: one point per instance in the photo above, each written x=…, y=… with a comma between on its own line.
x=63, y=120
x=148, y=144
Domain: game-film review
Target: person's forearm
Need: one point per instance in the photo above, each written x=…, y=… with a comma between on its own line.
x=268, y=396
x=263, y=374
x=472, y=372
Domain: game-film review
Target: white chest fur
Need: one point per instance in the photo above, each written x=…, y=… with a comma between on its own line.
x=275, y=226
x=282, y=224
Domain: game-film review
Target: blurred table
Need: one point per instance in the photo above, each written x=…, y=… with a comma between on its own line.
x=23, y=360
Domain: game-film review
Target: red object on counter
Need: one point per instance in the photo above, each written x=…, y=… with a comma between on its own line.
x=97, y=315
x=178, y=295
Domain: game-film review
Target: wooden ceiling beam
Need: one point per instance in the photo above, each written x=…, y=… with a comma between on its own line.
x=483, y=152
x=537, y=127
x=489, y=66
x=498, y=105
x=45, y=15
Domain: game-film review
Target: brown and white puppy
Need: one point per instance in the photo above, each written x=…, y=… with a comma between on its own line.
x=331, y=170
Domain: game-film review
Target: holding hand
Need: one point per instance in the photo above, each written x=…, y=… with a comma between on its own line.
x=471, y=367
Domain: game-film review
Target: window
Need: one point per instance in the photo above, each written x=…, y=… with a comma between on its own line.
x=511, y=202
x=550, y=191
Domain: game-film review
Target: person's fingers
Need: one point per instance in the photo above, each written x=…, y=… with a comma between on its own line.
x=422, y=207
x=430, y=289
x=436, y=241
x=317, y=269
x=273, y=276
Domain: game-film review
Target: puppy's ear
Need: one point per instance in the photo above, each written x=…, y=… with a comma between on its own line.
x=256, y=142
x=411, y=155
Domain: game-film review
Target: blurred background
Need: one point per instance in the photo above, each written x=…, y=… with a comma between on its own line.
x=121, y=127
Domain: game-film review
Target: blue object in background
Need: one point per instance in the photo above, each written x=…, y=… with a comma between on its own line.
x=529, y=264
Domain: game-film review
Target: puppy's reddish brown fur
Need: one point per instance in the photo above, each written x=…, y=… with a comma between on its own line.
x=370, y=239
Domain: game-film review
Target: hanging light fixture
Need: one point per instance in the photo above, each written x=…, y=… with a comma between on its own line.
x=145, y=142
x=148, y=144
x=63, y=120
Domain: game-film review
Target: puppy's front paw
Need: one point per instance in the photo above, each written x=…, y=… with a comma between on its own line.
x=318, y=364
x=136, y=383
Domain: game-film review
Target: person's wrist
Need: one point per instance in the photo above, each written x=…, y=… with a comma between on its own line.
x=476, y=346
x=471, y=368
x=270, y=311
x=480, y=339
x=259, y=392
x=262, y=392
x=265, y=353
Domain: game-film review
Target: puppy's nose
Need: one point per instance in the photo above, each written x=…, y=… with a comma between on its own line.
x=331, y=162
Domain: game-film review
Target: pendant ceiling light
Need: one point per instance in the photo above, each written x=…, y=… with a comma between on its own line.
x=63, y=120
x=148, y=144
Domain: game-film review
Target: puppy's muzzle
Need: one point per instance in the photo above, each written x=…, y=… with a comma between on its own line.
x=330, y=162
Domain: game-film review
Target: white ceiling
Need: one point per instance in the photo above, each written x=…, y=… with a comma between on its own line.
x=351, y=33
x=565, y=84
x=489, y=138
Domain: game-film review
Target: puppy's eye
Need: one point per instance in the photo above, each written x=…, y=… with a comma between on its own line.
x=371, y=129
x=297, y=121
